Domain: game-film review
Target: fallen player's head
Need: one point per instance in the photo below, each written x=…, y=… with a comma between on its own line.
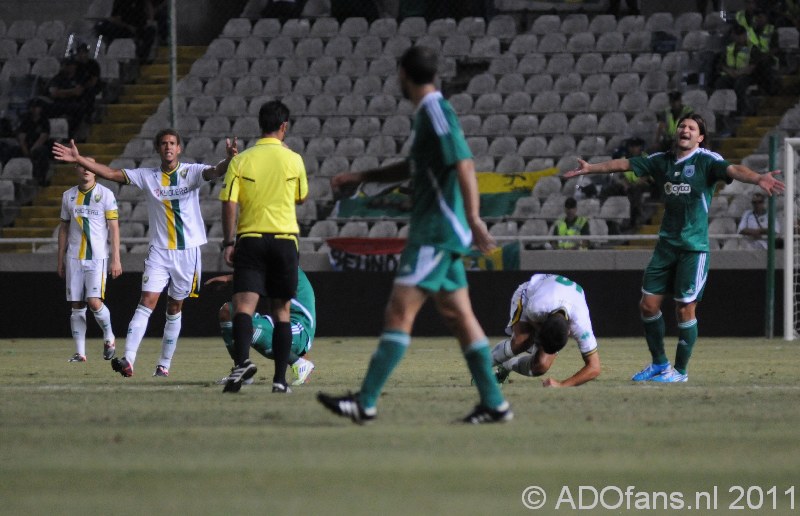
x=554, y=332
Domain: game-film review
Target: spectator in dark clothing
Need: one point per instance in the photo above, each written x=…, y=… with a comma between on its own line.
x=89, y=72
x=33, y=140
x=66, y=90
x=131, y=19
x=626, y=183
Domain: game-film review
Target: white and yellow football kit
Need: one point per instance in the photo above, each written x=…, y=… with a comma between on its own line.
x=87, y=240
x=543, y=294
x=176, y=230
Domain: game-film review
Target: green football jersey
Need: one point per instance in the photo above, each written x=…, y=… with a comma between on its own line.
x=687, y=186
x=437, y=214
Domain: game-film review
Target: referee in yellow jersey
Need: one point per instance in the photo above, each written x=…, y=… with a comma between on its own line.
x=266, y=182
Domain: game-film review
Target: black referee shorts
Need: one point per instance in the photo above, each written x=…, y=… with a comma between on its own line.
x=266, y=265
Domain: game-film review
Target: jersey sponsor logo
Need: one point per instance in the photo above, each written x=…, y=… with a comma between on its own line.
x=677, y=189
x=170, y=192
x=688, y=170
x=85, y=211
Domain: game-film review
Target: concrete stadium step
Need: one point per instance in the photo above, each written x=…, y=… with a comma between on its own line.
x=49, y=194
x=128, y=113
x=97, y=149
x=776, y=105
x=144, y=89
x=39, y=222
x=42, y=211
x=184, y=52
x=113, y=132
x=756, y=126
x=162, y=69
x=27, y=232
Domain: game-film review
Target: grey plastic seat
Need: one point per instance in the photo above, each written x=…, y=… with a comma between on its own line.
x=552, y=43
x=237, y=28
x=384, y=28
x=561, y=144
x=457, y=45
x=350, y=147
x=324, y=229
x=589, y=63
x=485, y=47
x=504, y=229
x=432, y=42
x=199, y=147
x=603, y=23
x=510, y=164
x=503, y=64
x=324, y=66
x=596, y=82
x=218, y=86
x=566, y=83
x=369, y=47
x=637, y=42
x=647, y=62
x=383, y=229
x=471, y=124
x=546, y=102
x=496, y=125
x=264, y=67
x=325, y=28
x=309, y=86
x=202, y=106
x=591, y=146
x=354, y=229
x=546, y=24
x=309, y=48
x=307, y=126
x=278, y=86
x=502, y=26
x=481, y=83
x=677, y=61
x=553, y=123
x=294, y=67
x=354, y=28
x=633, y=102
x=413, y=27
x=396, y=46
x=661, y=21
x=630, y=23
x=479, y=145
x=538, y=83
x=339, y=47
x=581, y=42
x=583, y=123
x=488, y=103
x=523, y=125
x=462, y=103
x=473, y=27
x=502, y=146
x=517, y=102
x=610, y=42
x=575, y=23
x=561, y=64
x=695, y=41
x=625, y=82
x=381, y=146
x=381, y=105
x=253, y=48
x=353, y=67
x=246, y=127
x=338, y=85
x=321, y=146
x=296, y=28
x=333, y=165
x=352, y=105
x=604, y=100
x=266, y=28
x=234, y=67
x=322, y=105
x=484, y=163
x=248, y=86
x=656, y=81
x=397, y=125
x=362, y=163
x=547, y=187
x=525, y=208
x=216, y=127
x=613, y=122
x=383, y=67
x=33, y=49
x=524, y=44
x=368, y=85
x=532, y=64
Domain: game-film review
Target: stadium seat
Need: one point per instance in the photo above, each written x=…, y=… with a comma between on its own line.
x=216, y=127
x=618, y=63
x=337, y=85
x=266, y=28
x=504, y=230
x=560, y=145
x=202, y=106
x=561, y=64
x=481, y=83
x=523, y=125
x=362, y=163
x=488, y=103
x=604, y=101
x=399, y=126
x=369, y=47
x=631, y=23
x=354, y=28
x=566, y=83
x=21, y=30
x=581, y=42
x=633, y=102
x=677, y=61
x=502, y=146
x=354, y=229
x=539, y=164
x=596, y=82
x=246, y=127
x=432, y=42
x=384, y=28
x=472, y=27
x=471, y=124
x=517, y=102
x=610, y=43
x=237, y=28
x=382, y=67
x=278, y=47
x=326, y=28
x=510, y=164
x=532, y=146
x=546, y=102
x=553, y=123
x=309, y=48
x=353, y=67
x=523, y=44
x=532, y=64
x=484, y=164
x=547, y=186
x=583, y=123
x=533, y=228
x=526, y=207
x=396, y=46
x=589, y=63
x=218, y=87
x=383, y=229
x=479, y=145
x=350, y=147
x=552, y=43
x=32, y=49
x=502, y=26
x=413, y=27
x=265, y=67
x=603, y=23
x=546, y=24
x=655, y=81
x=234, y=105
x=552, y=206
x=365, y=127
x=457, y=45
x=221, y=49
x=339, y=47
x=539, y=83
x=485, y=47
x=333, y=165
x=616, y=208
x=381, y=105
x=234, y=67
x=319, y=189
x=296, y=28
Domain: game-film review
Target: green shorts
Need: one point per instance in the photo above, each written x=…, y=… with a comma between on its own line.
x=431, y=269
x=675, y=271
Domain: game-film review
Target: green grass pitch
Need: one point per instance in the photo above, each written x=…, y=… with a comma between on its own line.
x=80, y=439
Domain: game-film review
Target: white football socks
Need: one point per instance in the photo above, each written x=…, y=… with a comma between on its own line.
x=136, y=329
x=103, y=318
x=520, y=364
x=77, y=323
x=172, y=329
x=502, y=351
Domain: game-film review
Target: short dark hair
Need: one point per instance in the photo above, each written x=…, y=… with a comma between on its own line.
x=701, y=123
x=554, y=332
x=419, y=64
x=271, y=115
x=570, y=203
x=164, y=132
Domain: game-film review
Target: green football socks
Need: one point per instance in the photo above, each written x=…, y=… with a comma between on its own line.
x=687, y=336
x=654, y=335
x=479, y=361
x=391, y=348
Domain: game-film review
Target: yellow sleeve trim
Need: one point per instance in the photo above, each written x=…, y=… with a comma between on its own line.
x=112, y=215
x=592, y=352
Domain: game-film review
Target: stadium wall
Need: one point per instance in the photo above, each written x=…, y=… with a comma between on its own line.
x=351, y=304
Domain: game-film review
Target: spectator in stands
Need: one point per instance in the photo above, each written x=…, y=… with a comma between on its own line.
x=633, y=7
x=89, y=72
x=702, y=6
x=627, y=183
x=283, y=9
x=764, y=39
x=668, y=121
x=744, y=17
x=754, y=224
x=32, y=140
x=570, y=225
x=66, y=91
x=736, y=68
x=131, y=19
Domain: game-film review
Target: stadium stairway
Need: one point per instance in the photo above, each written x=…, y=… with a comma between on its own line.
x=107, y=139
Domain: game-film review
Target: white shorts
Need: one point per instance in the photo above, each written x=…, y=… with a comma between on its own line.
x=178, y=268
x=85, y=279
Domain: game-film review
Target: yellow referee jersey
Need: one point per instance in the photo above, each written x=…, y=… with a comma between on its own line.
x=266, y=180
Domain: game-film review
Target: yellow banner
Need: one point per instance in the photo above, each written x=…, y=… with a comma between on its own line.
x=492, y=183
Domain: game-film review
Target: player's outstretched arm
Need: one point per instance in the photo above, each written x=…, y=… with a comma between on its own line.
x=219, y=280
x=113, y=238
x=231, y=150
x=589, y=371
x=389, y=174
x=765, y=181
x=70, y=154
x=605, y=167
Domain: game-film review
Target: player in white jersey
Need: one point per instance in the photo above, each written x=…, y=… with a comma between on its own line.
x=177, y=231
x=89, y=219
x=544, y=311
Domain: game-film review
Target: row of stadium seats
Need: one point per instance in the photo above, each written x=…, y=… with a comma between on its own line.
x=500, y=26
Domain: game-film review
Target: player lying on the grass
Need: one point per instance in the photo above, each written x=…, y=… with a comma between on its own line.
x=88, y=233
x=302, y=315
x=545, y=311
x=687, y=175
